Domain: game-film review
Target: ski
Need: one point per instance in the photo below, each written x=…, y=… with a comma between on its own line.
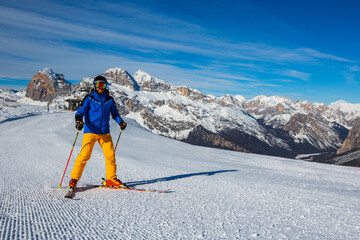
x=125, y=187
x=70, y=193
x=136, y=189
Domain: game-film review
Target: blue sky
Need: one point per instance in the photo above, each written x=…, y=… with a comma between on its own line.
x=304, y=50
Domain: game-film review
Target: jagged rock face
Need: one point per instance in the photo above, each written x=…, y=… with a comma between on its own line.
x=315, y=130
x=46, y=85
x=273, y=111
x=353, y=139
x=314, y=108
x=121, y=77
x=134, y=105
x=310, y=125
x=40, y=88
x=201, y=136
x=153, y=86
x=194, y=95
x=237, y=140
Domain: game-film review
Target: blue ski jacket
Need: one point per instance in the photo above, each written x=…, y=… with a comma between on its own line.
x=97, y=109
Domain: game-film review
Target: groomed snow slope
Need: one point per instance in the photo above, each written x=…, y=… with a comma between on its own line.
x=217, y=194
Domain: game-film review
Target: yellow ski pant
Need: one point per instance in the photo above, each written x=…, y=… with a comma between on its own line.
x=88, y=143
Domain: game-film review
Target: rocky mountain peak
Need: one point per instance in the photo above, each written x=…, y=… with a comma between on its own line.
x=274, y=111
x=147, y=82
x=46, y=85
x=48, y=71
x=241, y=99
x=229, y=101
x=341, y=104
x=353, y=139
x=315, y=108
x=190, y=93
x=270, y=101
x=121, y=77
x=342, y=112
x=142, y=76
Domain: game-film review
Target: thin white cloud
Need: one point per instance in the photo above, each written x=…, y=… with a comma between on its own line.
x=320, y=55
x=350, y=78
x=354, y=68
x=296, y=74
x=351, y=74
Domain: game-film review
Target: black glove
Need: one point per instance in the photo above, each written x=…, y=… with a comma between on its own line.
x=123, y=125
x=79, y=123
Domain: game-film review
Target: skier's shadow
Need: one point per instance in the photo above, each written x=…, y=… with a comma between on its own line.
x=176, y=177
x=156, y=180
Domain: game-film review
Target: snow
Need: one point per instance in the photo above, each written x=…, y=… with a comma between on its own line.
x=216, y=194
x=32, y=102
x=140, y=76
x=307, y=156
x=240, y=98
x=115, y=70
x=272, y=101
x=10, y=95
x=12, y=111
x=345, y=107
x=49, y=72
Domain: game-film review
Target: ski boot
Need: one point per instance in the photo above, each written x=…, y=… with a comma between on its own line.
x=72, y=183
x=71, y=192
x=114, y=183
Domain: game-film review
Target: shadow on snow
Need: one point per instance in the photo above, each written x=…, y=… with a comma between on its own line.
x=20, y=117
x=163, y=179
x=176, y=177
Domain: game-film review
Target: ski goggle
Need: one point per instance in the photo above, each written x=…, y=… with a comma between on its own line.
x=100, y=85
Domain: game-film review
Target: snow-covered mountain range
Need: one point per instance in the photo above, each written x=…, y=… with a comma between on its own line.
x=265, y=125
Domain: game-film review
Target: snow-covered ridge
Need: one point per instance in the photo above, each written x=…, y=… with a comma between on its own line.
x=49, y=72
x=344, y=106
x=271, y=101
x=115, y=70
x=54, y=77
x=57, y=79
x=142, y=77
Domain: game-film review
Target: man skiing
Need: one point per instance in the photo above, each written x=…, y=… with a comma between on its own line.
x=97, y=108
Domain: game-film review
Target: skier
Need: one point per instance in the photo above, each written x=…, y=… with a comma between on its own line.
x=97, y=107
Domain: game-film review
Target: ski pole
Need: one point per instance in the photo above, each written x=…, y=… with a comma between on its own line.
x=69, y=158
x=118, y=140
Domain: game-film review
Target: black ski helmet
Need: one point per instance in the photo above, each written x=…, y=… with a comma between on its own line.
x=100, y=78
